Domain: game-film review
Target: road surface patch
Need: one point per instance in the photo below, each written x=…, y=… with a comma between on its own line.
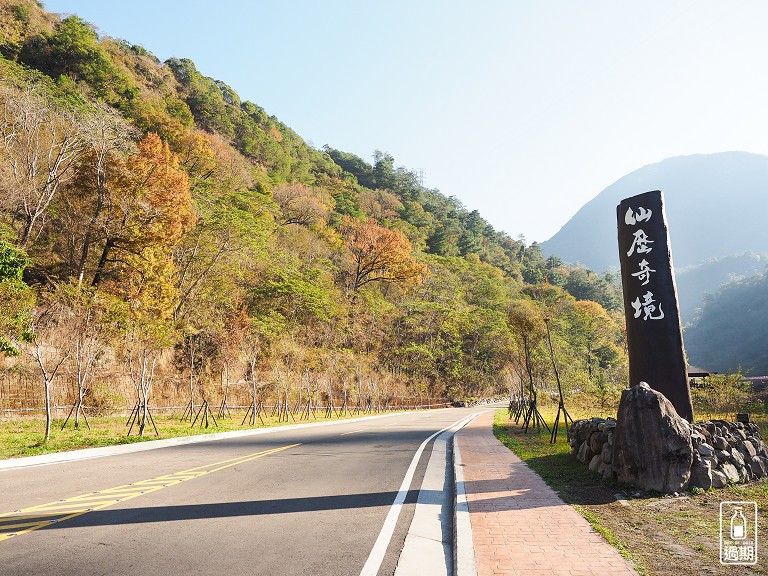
x=36, y=517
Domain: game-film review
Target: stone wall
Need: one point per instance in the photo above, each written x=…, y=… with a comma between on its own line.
x=723, y=451
x=592, y=443
x=727, y=452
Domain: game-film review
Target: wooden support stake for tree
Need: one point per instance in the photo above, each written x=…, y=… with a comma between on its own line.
x=561, y=406
x=205, y=410
x=532, y=415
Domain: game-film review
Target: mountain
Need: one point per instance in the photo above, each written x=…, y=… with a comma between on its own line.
x=715, y=206
x=695, y=283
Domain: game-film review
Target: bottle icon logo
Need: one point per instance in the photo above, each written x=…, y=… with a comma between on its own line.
x=738, y=525
x=738, y=533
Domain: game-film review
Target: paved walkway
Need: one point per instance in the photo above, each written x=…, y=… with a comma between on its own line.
x=519, y=525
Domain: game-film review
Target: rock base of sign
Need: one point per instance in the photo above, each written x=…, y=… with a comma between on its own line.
x=675, y=457
x=652, y=446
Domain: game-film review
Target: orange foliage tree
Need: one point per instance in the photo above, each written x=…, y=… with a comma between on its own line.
x=378, y=254
x=151, y=211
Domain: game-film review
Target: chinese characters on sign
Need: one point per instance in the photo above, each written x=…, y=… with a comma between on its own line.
x=654, y=333
x=648, y=308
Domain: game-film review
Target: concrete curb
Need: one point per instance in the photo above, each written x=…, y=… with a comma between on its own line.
x=89, y=453
x=463, y=549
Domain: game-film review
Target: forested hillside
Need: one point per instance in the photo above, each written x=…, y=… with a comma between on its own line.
x=159, y=235
x=730, y=335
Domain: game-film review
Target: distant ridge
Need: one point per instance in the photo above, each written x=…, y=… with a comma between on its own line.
x=716, y=207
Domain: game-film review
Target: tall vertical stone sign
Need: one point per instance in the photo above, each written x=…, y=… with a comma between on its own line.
x=654, y=333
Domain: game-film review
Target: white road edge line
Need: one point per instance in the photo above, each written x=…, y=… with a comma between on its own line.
x=428, y=549
x=353, y=432
x=464, y=550
x=376, y=557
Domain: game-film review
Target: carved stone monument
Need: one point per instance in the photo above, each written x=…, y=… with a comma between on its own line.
x=654, y=333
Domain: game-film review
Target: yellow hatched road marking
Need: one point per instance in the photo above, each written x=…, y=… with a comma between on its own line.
x=36, y=517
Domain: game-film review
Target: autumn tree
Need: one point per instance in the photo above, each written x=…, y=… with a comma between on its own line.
x=152, y=209
x=153, y=213
x=302, y=205
x=148, y=286
x=107, y=137
x=40, y=144
x=378, y=254
x=381, y=204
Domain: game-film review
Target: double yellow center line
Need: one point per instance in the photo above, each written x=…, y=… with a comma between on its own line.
x=36, y=517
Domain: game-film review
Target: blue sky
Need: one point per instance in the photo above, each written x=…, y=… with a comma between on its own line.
x=524, y=110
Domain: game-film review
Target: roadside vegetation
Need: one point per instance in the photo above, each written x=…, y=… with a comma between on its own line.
x=165, y=242
x=659, y=535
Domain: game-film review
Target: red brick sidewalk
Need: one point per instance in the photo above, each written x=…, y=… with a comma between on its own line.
x=519, y=525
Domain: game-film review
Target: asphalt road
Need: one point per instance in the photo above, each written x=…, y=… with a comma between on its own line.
x=310, y=501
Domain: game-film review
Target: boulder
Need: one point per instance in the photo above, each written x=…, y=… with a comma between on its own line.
x=746, y=448
x=736, y=458
x=719, y=480
x=607, y=453
x=652, y=446
x=585, y=454
x=757, y=467
x=744, y=474
x=705, y=449
x=720, y=443
x=697, y=459
x=701, y=476
x=597, y=440
x=596, y=462
x=730, y=472
x=697, y=438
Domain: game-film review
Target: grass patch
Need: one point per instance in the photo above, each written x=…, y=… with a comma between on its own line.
x=25, y=436
x=659, y=535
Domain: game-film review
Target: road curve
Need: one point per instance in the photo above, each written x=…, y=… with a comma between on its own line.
x=308, y=501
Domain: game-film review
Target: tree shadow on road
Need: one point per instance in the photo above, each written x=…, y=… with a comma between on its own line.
x=110, y=517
